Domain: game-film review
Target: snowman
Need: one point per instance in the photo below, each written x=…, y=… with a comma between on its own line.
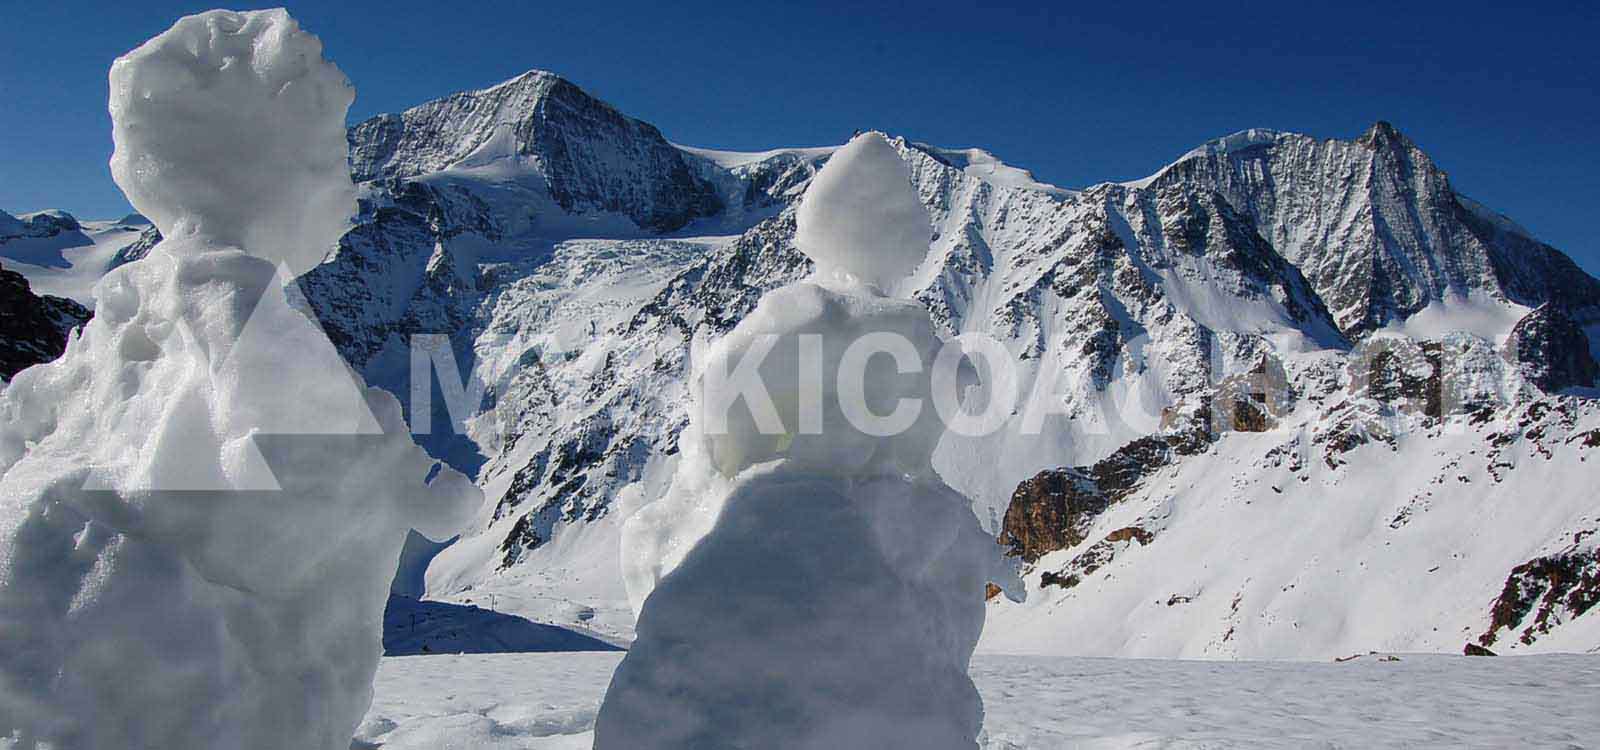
x=809, y=581
x=201, y=508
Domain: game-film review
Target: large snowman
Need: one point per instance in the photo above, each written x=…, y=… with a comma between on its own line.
x=201, y=509
x=811, y=581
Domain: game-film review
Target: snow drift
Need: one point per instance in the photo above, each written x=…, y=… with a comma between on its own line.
x=200, y=508
x=832, y=590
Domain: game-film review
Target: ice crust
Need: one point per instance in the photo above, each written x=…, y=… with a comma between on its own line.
x=201, y=508
x=821, y=587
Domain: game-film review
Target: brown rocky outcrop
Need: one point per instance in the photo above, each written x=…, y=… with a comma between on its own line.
x=1543, y=593
x=1055, y=508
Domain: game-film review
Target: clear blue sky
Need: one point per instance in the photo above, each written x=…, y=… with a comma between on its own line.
x=1504, y=99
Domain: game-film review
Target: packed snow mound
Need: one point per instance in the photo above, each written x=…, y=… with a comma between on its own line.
x=165, y=517
x=861, y=218
x=820, y=611
x=231, y=125
x=805, y=397
x=201, y=509
x=816, y=584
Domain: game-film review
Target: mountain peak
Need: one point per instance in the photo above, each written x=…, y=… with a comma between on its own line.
x=547, y=134
x=534, y=76
x=1383, y=134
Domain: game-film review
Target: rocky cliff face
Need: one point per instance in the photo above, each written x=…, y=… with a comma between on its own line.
x=1376, y=225
x=1257, y=281
x=1055, y=509
x=590, y=158
x=33, y=328
x=1552, y=350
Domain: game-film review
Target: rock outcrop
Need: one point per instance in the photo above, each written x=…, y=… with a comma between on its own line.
x=33, y=328
x=1552, y=350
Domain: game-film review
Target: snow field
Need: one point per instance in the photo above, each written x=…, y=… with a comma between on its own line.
x=540, y=701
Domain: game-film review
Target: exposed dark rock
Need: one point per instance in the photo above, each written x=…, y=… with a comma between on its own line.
x=1253, y=400
x=1055, y=509
x=33, y=328
x=137, y=249
x=1473, y=649
x=1552, y=350
x=1097, y=556
x=1052, y=578
x=1052, y=511
x=519, y=541
x=1543, y=593
x=1135, y=533
x=1401, y=373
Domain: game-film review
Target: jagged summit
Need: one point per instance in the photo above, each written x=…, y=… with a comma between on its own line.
x=1383, y=133
x=1376, y=225
x=540, y=130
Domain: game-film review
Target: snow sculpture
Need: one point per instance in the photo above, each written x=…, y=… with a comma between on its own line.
x=818, y=586
x=200, y=507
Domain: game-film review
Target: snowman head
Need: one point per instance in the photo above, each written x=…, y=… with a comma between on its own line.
x=230, y=126
x=861, y=219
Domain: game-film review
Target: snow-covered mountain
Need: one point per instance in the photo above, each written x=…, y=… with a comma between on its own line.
x=1376, y=226
x=63, y=256
x=1247, y=434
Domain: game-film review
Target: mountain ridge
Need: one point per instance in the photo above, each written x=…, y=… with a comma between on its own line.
x=1157, y=284
x=571, y=255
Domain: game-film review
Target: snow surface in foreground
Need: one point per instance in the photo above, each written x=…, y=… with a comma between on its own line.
x=499, y=702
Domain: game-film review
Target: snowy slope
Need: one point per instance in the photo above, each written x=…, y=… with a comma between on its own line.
x=64, y=257
x=1297, y=542
x=529, y=701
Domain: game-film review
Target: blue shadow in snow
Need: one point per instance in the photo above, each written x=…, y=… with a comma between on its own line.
x=413, y=627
